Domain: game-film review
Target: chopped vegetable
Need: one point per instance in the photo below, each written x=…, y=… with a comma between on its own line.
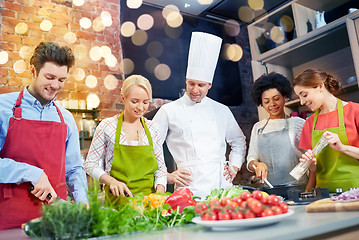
x=350, y=195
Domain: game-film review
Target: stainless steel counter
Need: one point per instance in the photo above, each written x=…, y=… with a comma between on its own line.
x=298, y=226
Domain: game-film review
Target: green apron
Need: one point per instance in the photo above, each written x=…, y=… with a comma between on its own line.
x=335, y=169
x=133, y=165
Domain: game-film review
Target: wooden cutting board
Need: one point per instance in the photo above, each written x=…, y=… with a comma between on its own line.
x=327, y=205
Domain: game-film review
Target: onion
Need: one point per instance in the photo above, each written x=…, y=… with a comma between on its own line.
x=350, y=195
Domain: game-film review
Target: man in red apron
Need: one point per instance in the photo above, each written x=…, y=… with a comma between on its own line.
x=39, y=146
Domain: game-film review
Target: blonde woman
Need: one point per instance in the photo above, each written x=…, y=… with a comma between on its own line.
x=126, y=152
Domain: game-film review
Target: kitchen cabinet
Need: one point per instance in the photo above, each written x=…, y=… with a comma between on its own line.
x=286, y=41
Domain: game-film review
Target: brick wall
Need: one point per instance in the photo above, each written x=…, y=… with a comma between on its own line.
x=65, y=17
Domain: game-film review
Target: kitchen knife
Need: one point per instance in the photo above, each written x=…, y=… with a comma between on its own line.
x=49, y=196
x=265, y=180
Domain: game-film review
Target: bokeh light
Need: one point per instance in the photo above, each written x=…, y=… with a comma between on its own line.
x=106, y=18
x=173, y=32
x=277, y=34
x=150, y=64
x=91, y=81
x=25, y=52
x=139, y=38
x=233, y=52
x=85, y=23
x=97, y=25
x=169, y=9
x=78, y=74
x=246, y=14
x=232, y=28
x=162, y=72
x=174, y=19
x=286, y=22
x=128, y=29
x=134, y=4
x=93, y=101
x=70, y=37
x=205, y=2
x=127, y=66
x=111, y=60
x=95, y=53
x=154, y=49
x=145, y=22
x=4, y=57
x=105, y=51
x=110, y=82
x=46, y=25
x=21, y=28
x=256, y=4
x=19, y=66
x=78, y=2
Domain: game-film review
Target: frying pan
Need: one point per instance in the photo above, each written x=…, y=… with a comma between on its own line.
x=281, y=189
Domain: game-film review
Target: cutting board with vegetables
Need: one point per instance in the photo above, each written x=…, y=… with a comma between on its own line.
x=328, y=205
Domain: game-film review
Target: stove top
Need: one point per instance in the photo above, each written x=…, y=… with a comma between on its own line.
x=297, y=197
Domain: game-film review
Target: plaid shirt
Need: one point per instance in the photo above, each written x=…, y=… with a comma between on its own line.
x=100, y=156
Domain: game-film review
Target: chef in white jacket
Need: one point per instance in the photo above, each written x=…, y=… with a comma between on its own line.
x=197, y=128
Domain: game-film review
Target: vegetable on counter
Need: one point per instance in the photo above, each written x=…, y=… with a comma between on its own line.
x=350, y=195
x=229, y=192
x=180, y=199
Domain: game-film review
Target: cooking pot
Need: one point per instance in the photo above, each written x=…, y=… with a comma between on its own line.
x=281, y=189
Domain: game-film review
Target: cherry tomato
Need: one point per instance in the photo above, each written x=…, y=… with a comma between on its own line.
x=214, y=203
x=237, y=215
x=249, y=214
x=223, y=215
x=284, y=207
x=232, y=205
x=238, y=200
x=256, y=206
x=225, y=201
x=245, y=195
x=267, y=212
x=257, y=195
x=249, y=200
x=209, y=216
x=200, y=207
x=244, y=205
x=273, y=200
x=277, y=210
x=265, y=200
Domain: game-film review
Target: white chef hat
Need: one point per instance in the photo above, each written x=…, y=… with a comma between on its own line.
x=203, y=56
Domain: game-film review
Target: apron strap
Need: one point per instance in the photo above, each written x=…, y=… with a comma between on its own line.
x=17, y=110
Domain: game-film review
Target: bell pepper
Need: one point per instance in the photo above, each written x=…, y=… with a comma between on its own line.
x=181, y=198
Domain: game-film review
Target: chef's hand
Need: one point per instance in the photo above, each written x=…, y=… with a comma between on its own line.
x=261, y=171
x=180, y=177
x=308, y=156
x=117, y=188
x=334, y=141
x=229, y=173
x=42, y=189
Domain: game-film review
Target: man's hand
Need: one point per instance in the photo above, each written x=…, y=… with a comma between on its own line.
x=229, y=173
x=42, y=189
x=180, y=177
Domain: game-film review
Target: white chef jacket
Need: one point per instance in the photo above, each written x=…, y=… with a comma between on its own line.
x=196, y=135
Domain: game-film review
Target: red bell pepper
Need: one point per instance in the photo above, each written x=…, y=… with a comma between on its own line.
x=181, y=198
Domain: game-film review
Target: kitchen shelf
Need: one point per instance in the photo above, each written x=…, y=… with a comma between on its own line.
x=93, y=112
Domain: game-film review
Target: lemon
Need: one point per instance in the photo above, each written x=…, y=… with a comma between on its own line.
x=264, y=194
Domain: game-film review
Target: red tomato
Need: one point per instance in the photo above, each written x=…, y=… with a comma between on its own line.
x=232, y=205
x=284, y=207
x=214, y=203
x=249, y=200
x=245, y=195
x=265, y=200
x=256, y=206
x=257, y=195
x=238, y=200
x=237, y=215
x=223, y=215
x=249, y=214
x=225, y=201
x=244, y=205
x=200, y=207
x=267, y=212
x=277, y=210
x=273, y=200
x=209, y=216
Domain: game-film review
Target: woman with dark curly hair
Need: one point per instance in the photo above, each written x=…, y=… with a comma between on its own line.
x=337, y=165
x=273, y=149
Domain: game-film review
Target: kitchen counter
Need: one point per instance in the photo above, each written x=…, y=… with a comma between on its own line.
x=298, y=226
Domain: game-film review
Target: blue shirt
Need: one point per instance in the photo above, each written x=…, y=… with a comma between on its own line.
x=16, y=172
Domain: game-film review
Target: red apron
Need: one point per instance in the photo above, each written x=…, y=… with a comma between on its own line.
x=38, y=143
